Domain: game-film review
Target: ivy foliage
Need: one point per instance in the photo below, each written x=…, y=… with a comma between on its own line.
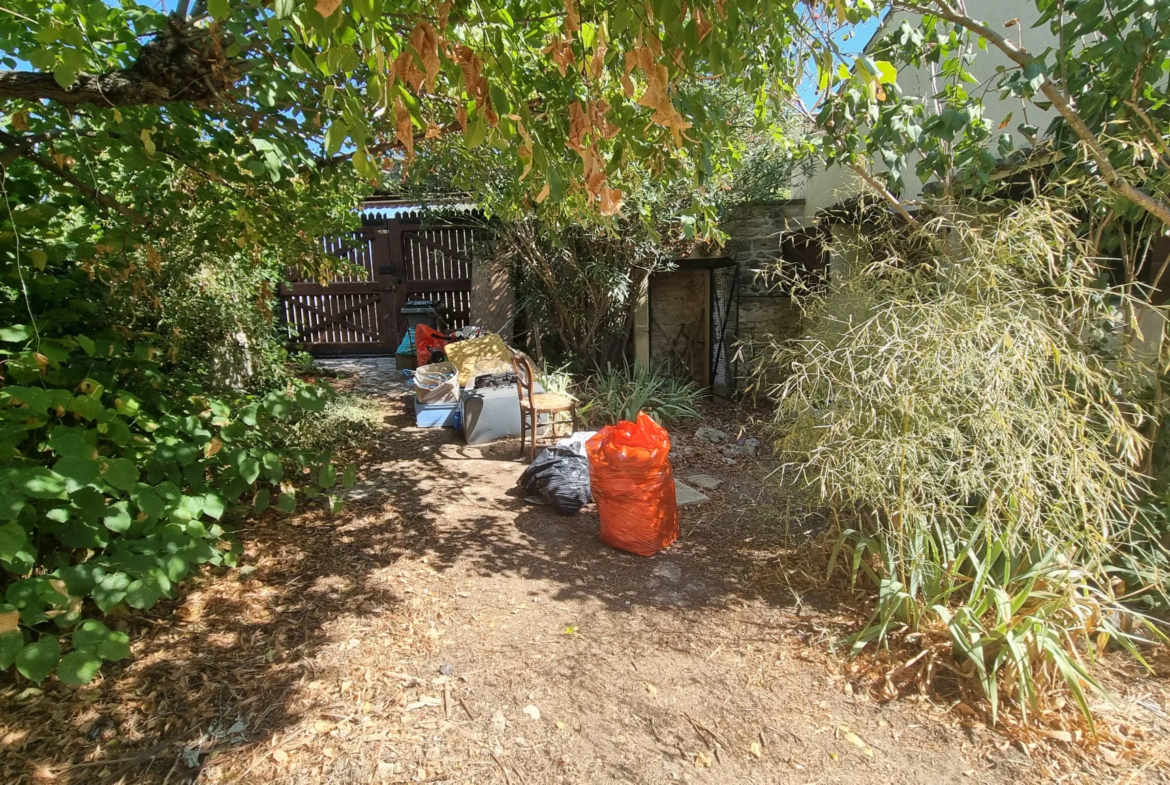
x=117, y=479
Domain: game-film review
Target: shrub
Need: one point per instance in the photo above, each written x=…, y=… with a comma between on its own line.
x=970, y=408
x=347, y=421
x=620, y=392
x=118, y=479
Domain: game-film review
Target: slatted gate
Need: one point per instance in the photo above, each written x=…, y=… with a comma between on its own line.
x=362, y=314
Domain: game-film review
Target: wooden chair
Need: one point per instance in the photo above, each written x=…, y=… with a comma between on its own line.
x=534, y=404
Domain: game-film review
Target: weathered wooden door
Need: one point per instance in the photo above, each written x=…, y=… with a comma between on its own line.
x=353, y=314
x=436, y=264
x=401, y=259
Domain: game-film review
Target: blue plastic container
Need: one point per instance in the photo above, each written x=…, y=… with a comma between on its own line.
x=435, y=415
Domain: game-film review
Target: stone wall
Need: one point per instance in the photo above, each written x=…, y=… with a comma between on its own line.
x=491, y=298
x=765, y=314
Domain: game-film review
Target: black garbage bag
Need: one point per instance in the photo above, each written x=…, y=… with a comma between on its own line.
x=560, y=477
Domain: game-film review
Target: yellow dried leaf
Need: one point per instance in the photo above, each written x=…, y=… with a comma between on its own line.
x=280, y=756
x=425, y=41
x=703, y=760
x=855, y=740
x=572, y=18
x=578, y=127
x=756, y=751
x=540, y=197
x=404, y=128
x=321, y=727
x=611, y=201
x=702, y=24
x=8, y=621
x=153, y=259
x=326, y=7
x=444, y=13
x=408, y=71
x=214, y=446
x=598, y=61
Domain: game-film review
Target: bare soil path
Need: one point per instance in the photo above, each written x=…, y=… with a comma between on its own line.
x=444, y=630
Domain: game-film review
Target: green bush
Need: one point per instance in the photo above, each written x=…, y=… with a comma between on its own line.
x=620, y=392
x=970, y=409
x=347, y=421
x=116, y=478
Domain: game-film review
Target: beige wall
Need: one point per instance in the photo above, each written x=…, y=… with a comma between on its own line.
x=824, y=188
x=491, y=298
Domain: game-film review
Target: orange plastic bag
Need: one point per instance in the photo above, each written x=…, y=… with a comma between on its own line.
x=427, y=339
x=633, y=485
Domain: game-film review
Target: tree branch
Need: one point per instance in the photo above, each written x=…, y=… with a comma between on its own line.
x=884, y=192
x=26, y=150
x=183, y=63
x=1021, y=57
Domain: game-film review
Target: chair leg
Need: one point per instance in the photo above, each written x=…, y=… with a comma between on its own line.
x=573, y=417
x=532, y=443
x=522, y=422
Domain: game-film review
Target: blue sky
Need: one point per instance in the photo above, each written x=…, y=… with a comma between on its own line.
x=851, y=42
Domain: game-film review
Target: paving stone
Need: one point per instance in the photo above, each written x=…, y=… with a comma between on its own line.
x=705, y=481
x=712, y=435
x=686, y=495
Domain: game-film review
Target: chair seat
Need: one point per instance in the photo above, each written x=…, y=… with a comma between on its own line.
x=548, y=402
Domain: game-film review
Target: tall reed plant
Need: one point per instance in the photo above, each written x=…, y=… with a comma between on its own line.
x=968, y=402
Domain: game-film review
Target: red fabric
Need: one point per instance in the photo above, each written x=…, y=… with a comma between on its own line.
x=427, y=338
x=633, y=485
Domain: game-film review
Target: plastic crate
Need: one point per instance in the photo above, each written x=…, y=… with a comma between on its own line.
x=435, y=415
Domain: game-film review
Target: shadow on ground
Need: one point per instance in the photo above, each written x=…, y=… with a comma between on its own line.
x=250, y=654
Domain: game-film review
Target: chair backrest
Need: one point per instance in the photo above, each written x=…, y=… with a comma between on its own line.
x=525, y=375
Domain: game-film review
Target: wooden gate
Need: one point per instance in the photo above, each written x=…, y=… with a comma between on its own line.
x=399, y=260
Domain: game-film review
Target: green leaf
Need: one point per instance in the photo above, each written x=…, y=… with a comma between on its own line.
x=37, y=660
x=17, y=333
x=92, y=635
x=120, y=473
x=90, y=502
x=118, y=518
x=143, y=593
x=12, y=539
x=79, y=667
x=111, y=590
x=273, y=468
x=10, y=645
x=78, y=472
x=287, y=502
x=349, y=477
x=37, y=482
x=148, y=501
x=311, y=398
x=249, y=469
x=213, y=506
x=328, y=476
x=72, y=443
x=263, y=497
x=81, y=578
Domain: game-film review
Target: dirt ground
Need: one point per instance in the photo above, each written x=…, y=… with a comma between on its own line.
x=442, y=629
